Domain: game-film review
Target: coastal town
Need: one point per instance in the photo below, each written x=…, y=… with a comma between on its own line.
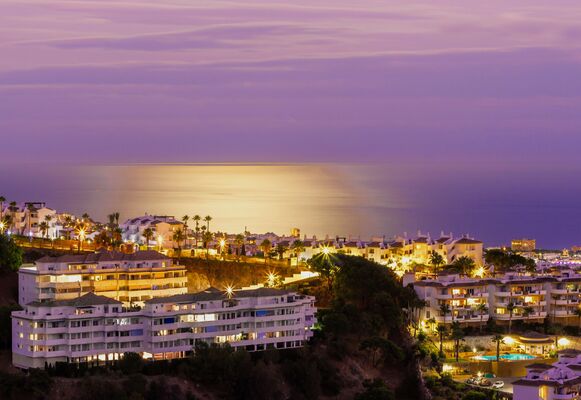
x=498, y=319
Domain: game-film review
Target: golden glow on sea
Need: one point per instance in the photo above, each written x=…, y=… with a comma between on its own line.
x=317, y=198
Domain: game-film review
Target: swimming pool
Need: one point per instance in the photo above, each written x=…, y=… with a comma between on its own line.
x=506, y=357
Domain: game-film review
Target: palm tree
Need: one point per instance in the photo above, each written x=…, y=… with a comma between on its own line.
x=465, y=264
x=457, y=336
x=436, y=260
x=43, y=226
x=30, y=208
x=266, y=246
x=510, y=308
x=207, y=218
x=527, y=311
x=178, y=236
x=206, y=239
x=117, y=215
x=577, y=313
x=431, y=322
x=185, y=220
x=239, y=240
x=298, y=246
x=441, y=330
x=148, y=235
x=498, y=340
x=445, y=309
x=85, y=217
x=2, y=200
x=281, y=248
x=13, y=208
x=197, y=219
x=482, y=309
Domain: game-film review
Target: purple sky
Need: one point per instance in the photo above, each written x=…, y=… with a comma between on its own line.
x=467, y=112
x=330, y=80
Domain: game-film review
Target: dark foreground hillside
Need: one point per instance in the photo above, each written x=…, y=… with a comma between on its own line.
x=361, y=350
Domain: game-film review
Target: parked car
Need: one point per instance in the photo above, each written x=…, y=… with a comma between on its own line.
x=485, y=382
x=498, y=384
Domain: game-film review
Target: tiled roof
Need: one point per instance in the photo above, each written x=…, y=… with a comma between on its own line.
x=104, y=256
x=217, y=294
x=467, y=241
x=89, y=299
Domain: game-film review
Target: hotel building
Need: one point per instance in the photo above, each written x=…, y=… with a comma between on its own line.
x=560, y=381
x=163, y=227
x=523, y=245
x=533, y=297
x=94, y=328
x=129, y=278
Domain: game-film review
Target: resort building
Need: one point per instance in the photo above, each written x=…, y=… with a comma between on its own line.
x=95, y=329
x=129, y=278
x=560, y=381
x=523, y=245
x=26, y=219
x=508, y=298
x=163, y=227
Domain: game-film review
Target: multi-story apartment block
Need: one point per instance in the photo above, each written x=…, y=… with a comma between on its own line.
x=129, y=278
x=449, y=299
x=523, y=245
x=532, y=298
x=560, y=381
x=26, y=219
x=94, y=328
x=163, y=227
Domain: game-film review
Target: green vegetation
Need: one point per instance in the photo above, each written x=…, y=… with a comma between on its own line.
x=10, y=254
x=507, y=260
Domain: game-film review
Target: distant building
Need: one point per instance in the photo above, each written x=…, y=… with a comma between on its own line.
x=523, y=245
x=534, y=296
x=129, y=278
x=26, y=219
x=559, y=381
x=97, y=329
x=296, y=232
x=163, y=227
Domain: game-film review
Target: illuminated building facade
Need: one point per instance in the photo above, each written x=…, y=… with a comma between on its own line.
x=95, y=328
x=129, y=278
x=523, y=245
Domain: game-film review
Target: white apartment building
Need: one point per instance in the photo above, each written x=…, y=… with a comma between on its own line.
x=129, y=278
x=560, y=381
x=27, y=217
x=533, y=297
x=163, y=227
x=94, y=328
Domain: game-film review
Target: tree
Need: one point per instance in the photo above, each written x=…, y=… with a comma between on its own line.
x=43, y=226
x=375, y=390
x=148, y=235
x=436, y=260
x=498, y=340
x=281, y=248
x=178, y=237
x=265, y=247
x=464, y=264
x=13, y=208
x=30, y=209
x=47, y=219
x=527, y=311
x=298, y=246
x=445, y=310
x=441, y=330
x=197, y=220
x=577, y=313
x=457, y=336
x=510, y=307
x=185, y=220
x=10, y=254
x=239, y=240
x=324, y=265
x=207, y=219
x=2, y=200
x=482, y=309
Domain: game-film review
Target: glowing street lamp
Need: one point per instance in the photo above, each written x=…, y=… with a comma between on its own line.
x=229, y=291
x=271, y=279
x=2, y=226
x=326, y=250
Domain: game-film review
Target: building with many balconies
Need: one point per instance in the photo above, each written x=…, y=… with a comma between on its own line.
x=511, y=297
x=560, y=381
x=96, y=329
x=129, y=278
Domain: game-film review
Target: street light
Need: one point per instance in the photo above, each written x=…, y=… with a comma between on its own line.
x=229, y=291
x=2, y=226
